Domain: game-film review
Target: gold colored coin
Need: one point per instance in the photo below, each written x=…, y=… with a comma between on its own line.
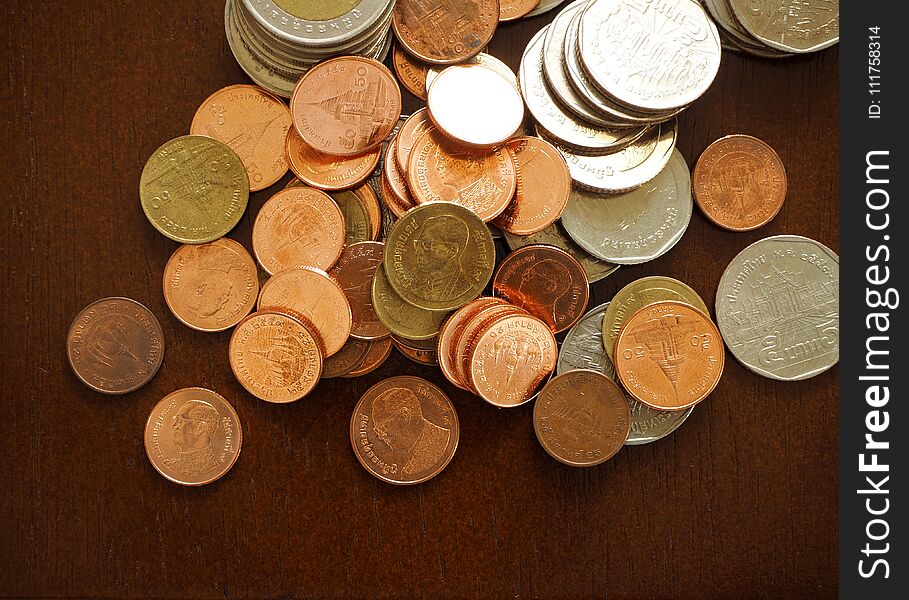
x=401, y=318
x=317, y=10
x=356, y=220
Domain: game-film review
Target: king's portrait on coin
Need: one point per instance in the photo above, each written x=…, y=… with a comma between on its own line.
x=399, y=422
x=209, y=287
x=439, y=249
x=542, y=286
x=194, y=425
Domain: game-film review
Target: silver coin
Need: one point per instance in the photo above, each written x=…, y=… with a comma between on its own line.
x=487, y=60
x=566, y=129
x=543, y=6
x=554, y=235
x=654, y=56
x=326, y=25
x=260, y=72
x=804, y=26
x=636, y=226
x=583, y=349
x=778, y=307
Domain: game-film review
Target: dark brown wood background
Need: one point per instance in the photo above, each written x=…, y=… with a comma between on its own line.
x=741, y=502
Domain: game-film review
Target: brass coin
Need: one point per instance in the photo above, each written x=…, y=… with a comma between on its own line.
x=401, y=318
x=194, y=189
x=370, y=202
x=356, y=219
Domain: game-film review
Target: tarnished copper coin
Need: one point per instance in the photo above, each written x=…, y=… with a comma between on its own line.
x=211, y=287
x=445, y=31
x=411, y=72
x=376, y=355
x=346, y=105
x=510, y=10
x=404, y=430
x=354, y=272
x=545, y=281
x=543, y=187
x=193, y=436
x=346, y=359
x=482, y=181
x=422, y=356
x=395, y=192
x=276, y=357
x=325, y=171
x=316, y=296
x=115, y=345
x=581, y=418
x=254, y=123
x=739, y=182
x=416, y=125
x=669, y=355
x=298, y=227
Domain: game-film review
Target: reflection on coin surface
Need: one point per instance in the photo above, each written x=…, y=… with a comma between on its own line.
x=354, y=272
x=411, y=72
x=445, y=31
x=581, y=418
x=115, y=345
x=377, y=353
x=487, y=60
x=778, y=307
x=544, y=183
x=509, y=10
x=450, y=332
x=399, y=317
x=346, y=359
x=357, y=227
x=422, y=356
x=739, y=182
x=404, y=430
x=554, y=235
x=298, y=227
x=439, y=256
x=325, y=171
x=416, y=125
x=254, y=123
x=194, y=189
x=669, y=355
x=804, y=26
x=346, y=105
x=193, y=436
x=211, y=287
x=275, y=356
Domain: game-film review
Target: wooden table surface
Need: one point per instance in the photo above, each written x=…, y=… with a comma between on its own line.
x=741, y=502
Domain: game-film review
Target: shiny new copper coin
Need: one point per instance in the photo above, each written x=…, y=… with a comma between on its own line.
x=211, y=287
x=346, y=359
x=411, y=72
x=193, y=436
x=370, y=202
x=483, y=182
x=581, y=418
x=346, y=105
x=545, y=281
x=422, y=356
x=416, y=125
x=445, y=31
x=298, y=227
x=253, y=123
x=669, y=355
x=739, y=182
x=376, y=355
x=451, y=331
x=275, y=356
x=510, y=10
x=544, y=185
x=354, y=272
x=115, y=345
x=325, y=171
x=404, y=430
x=461, y=350
x=395, y=192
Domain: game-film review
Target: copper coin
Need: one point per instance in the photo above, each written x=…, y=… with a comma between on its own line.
x=316, y=296
x=357, y=227
x=346, y=105
x=354, y=272
x=298, y=227
x=396, y=194
x=115, y=345
x=451, y=331
x=193, y=436
x=275, y=356
x=739, y=182
x=544, y=185
x=346, y=359
x=254, y=123
x=376, y=355
x=325, y=171
x=483, y=182
x=445, y=31
x=370, y=202
x=411, y=72
x=404, y=430
x=461, y=348
x=669, y=355
x=211, y=287
x=416, y=125
x=545, y=281
x=581, y=418
x=422, y=356
x=510, y=10
x=511, y=358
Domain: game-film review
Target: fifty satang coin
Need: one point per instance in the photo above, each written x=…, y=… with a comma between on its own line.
x=739, y=182
x=439, y=256
x=669, y=355
x=411, y=72
x=115, y=345
x=581, y=418
x=395, y=192
x=193, y=436
x=316, y=296
x=211, y=287
x=545, y=281
x=416, y=125
x=376, y=355
x=298, y=227
x=399, y=317
x=277, y=357
x=327, y=172
x=346, y=359
x=446, y=31
x=482, y=181
x=194, y=189
x=354, y=272
x=254, y=123
x=346, y=106
x=404, y=430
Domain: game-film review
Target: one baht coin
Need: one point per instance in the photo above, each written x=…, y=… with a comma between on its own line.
x=669, y=355
x=325, y=171
x=194, y=189
x=445, y=31
x=778, y=307
x=439, y=256
x=193, y=436
x=404, y=430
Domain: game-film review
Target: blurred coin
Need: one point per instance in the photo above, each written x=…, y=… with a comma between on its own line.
x=411, y=72
x=325, y=171
x=354, y=272
x=510, y=10
x=445, y=31
x=401, y=318
x=346, y=359
x=422, y=356
x=375, y=357
x=416, y=125
x=805, y=26
x=554, y=235
x=543, y=6
x=544, y=184
x=357, y=227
